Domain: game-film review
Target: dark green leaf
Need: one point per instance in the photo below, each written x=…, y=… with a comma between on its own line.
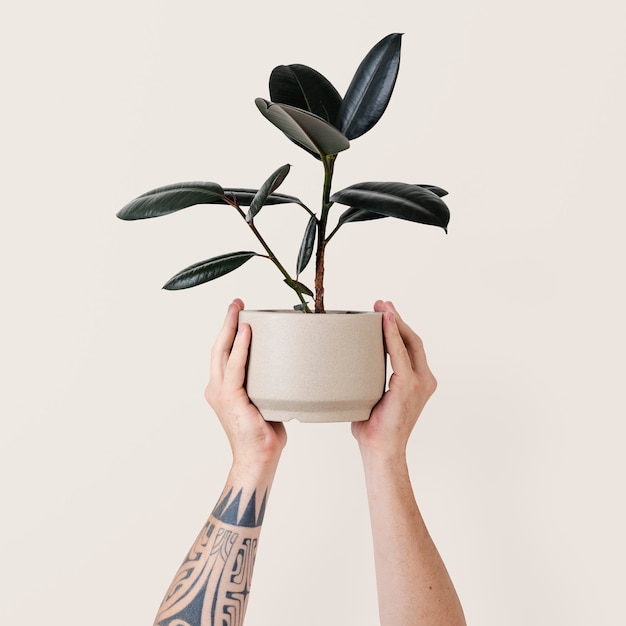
x=244, y=197
x=306, y=247
x=438, y=191
x=204, y=271
x=401, y=200
x=305, y=88
x=170, y=198
x=370, y=90
x=358, y=215
x=267, y=188
x=303, y=288
x=301, y=307
x=309, y=131
x=362, y=215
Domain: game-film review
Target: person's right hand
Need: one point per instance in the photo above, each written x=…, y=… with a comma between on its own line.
x=410, y=386
x=253, y=440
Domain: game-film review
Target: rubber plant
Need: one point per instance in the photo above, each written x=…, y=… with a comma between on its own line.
x=308, y=109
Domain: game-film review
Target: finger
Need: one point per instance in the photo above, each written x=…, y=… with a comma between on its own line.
x=413, y=343
x=224, y=341
x=398, y=354
x=235, y=373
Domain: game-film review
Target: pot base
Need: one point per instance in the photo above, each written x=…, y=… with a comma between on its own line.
x=315, y=412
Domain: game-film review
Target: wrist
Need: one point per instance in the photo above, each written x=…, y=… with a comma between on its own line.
x=257, y=452
x=382, y=453
x=383, y=460
x=254, y=470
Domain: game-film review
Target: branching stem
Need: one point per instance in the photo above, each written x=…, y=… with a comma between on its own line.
x=270, y=255
x=332, y=233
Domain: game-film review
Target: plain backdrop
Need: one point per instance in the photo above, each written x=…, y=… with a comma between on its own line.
x=110, y=460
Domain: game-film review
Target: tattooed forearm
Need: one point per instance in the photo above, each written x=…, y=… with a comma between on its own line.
x=212, y=585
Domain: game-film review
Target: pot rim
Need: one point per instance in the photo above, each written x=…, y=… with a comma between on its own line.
x=291, y=311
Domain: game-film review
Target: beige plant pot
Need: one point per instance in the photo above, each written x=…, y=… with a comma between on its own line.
x=315, y=367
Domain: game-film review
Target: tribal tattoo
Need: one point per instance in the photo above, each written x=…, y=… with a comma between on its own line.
x=212, y=585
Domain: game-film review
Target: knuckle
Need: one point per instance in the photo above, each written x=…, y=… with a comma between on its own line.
x=403, y=352
x=210, y=394
x=430, y=383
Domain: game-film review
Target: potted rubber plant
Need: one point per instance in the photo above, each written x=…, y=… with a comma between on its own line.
x=304, y=365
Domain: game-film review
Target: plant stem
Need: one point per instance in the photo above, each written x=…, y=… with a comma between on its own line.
x=329, y=165
x=332, y=233
x=270, y=255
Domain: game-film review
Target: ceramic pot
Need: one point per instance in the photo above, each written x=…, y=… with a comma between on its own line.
x=315, y=367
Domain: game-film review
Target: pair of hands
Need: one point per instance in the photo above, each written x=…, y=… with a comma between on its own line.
x=255, y=441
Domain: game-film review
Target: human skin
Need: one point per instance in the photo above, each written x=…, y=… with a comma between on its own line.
x=213, y=583
x=414, y=588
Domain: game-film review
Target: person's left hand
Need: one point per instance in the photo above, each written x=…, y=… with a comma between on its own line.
x=391, y=422
x=253, y=440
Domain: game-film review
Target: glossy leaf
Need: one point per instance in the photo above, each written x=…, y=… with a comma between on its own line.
x=305, y=88
x=267, y=188
x=306, y=247
x=369, y=92
x=303, y=288
x=204, y=271
x=400, y=200
x=244, y=197
x=307, y=130
x=171, y=198
x=362, y=215
x=358, y=215
x=438, y=191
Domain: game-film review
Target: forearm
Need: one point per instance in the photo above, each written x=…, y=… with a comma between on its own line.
x=213, y=583
x=414, y=587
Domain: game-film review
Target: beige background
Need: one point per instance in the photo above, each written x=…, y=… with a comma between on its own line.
x=110, y=460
